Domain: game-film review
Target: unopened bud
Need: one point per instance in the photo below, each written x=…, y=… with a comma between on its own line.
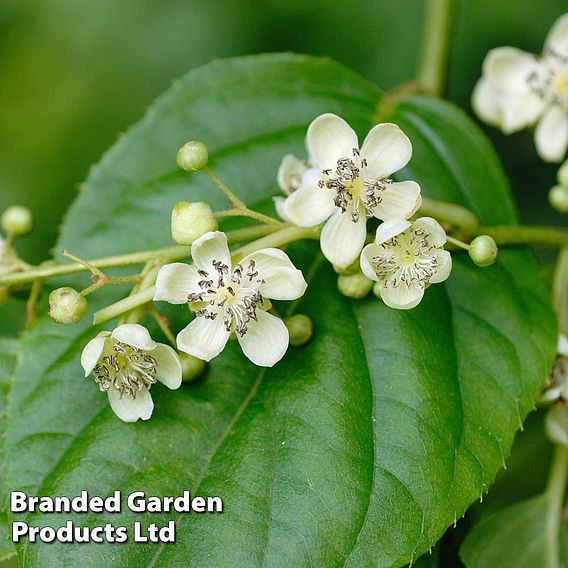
x=562, y=175
x=300, y=329
x=558, y=198
x=193, y=156
x=191, y=367
x=17, y=221
x=377, y=290
x=354, y=285
x=66, y=305
x=483, y=250
x=192, y=220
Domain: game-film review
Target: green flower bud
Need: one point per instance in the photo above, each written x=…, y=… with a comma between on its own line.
x=562, y=175
x=191, y=220
x=300, y=329
x=191, y=367
x=193, y=156
x=483, y=250
x=377, y=290
x=17, y=221
x=354, y=285
x=558, y=198
x=66, y=305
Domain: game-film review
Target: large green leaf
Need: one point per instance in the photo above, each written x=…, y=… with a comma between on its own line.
x=357, y=450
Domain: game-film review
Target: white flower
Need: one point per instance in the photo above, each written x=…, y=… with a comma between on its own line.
x=126, y=363
x=231, y=299
x=405, y=258
x=346, y=185
x=518, y=89
x=290, y=177
x=558, y=388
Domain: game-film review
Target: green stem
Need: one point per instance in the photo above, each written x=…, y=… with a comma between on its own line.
x=555, y=491
x=560, y=290
x=125, y=305
x=445, y=212
x=525, y=234
x=433, y=62
x=457, y=242
x=165, y=255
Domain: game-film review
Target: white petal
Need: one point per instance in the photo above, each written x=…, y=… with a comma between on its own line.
x=330, y=138
x=563, y=345
x=266, y=340
x=485, y=102
x=203, y=338
x=211, y=246
x=280, y=206
x=168, y=366
x=92, y=352
x=135, y=335
x=175, y=282
x=509, y=68
x=387, y=149
x=282, y=280
x=436, y=234
x=520, y=111
x=557, y=39
x=342, y=239
x=402, y=297
x=129, y=409
x=400, y=200
x=551, y=134
x=367, y=255
x=444, y=266
x=290, y=173
x=310, y=205
x=389, y=229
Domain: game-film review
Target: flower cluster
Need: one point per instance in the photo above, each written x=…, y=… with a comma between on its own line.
x=518, y=89
x=340, y=186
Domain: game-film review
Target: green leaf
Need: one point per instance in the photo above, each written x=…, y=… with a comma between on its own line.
x=358, y=449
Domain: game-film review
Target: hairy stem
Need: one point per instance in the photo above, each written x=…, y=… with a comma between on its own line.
x=433, y=61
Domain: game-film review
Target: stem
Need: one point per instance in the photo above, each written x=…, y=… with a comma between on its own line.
x=560, y=290
x=457, y=242
x=433, y=62
x=523, y=234
x=125, y=305
x=164, y=254
x=555, y=490
x=162, y=324
x=455, y=215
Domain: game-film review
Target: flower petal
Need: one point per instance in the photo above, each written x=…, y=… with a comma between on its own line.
x=444, y=267
x=330, y=138
x=175, y=282
x=551, y=134
x=485, y=102
x=400, y=200
x=367, y=255
x=135, y=335
x=402, y=297
x=280, y=206
x=168, y=366
x=131, y=409
x=557, y=39
x=389, y=229
x=203, y=338
x=282, y=280
x=562, y=345
x=290, y=173
x=92, y=352
x=387, y=149
x=509, y=68
x=342, y=239
x=520, y=111
x=266, y=340
x=209, y=247
x=436, y=235
x=310, y=205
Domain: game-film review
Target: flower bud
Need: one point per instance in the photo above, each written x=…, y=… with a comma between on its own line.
x=191, y=220
x=377, y=290
x=556, y=422
x=191, y=367
x=300, y=329
x=562, y=175
x=17, y=221
x=558, y=198
x=66, y=305
x=193, y=156
x=483, y=250
x=354, y=285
